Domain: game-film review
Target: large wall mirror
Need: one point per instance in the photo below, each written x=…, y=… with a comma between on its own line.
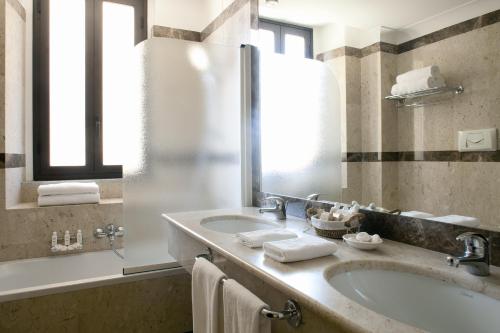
x=351, y=127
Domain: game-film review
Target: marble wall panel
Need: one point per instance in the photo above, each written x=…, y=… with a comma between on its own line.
x=470, y=59
x=156, y=305
x=26, y=232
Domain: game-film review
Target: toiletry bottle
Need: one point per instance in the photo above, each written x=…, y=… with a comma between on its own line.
x=54, y=240
x=67, y=238
x=79, y=239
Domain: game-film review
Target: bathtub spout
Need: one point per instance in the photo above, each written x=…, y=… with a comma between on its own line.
x=115, y=250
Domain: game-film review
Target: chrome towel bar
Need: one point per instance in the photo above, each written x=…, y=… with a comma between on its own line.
x=291, y=312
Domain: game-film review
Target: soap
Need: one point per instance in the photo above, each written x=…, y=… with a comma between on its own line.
x=324, y=216
x=363, y=237
x=376, y=238
x=337, y=216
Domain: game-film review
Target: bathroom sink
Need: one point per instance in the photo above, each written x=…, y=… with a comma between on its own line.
x=232, y=224
x=421, y=301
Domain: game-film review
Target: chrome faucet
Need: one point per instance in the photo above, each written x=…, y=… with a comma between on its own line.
x=111, y=231
x=477, y=254
x=313, y=197
x=279, y=209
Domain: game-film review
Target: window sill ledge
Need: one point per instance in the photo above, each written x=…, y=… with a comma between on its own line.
x=34, y=205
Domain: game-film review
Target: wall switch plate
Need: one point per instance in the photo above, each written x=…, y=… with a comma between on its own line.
x=478, y=140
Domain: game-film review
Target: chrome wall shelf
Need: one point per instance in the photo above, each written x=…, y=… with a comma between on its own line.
x=403, y=100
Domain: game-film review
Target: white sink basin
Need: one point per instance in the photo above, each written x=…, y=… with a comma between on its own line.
x=232, y=224
x=420, y=301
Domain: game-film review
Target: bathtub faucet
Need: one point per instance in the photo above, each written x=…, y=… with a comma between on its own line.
x=111, y=231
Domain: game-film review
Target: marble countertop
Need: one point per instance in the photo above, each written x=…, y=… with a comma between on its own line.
x=306, y=281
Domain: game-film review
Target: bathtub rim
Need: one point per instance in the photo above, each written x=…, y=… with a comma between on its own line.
x=87, y=283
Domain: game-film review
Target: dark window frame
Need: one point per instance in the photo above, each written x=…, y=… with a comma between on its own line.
x=280, y=29
x=94, y=168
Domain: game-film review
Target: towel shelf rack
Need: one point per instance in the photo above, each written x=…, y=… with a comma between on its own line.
x=402, y=99
x=291, y=312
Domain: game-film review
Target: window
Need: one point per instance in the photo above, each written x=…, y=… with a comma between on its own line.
x=285, y=38
x=81, y=48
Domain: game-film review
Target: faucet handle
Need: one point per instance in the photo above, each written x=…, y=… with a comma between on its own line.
x=314, y=197
x=473, y=240
x=279, y=201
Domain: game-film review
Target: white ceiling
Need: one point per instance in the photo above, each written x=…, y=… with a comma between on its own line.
x=363, y=14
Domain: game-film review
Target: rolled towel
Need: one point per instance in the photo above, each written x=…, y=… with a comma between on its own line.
x=466, y=221
x=68, y=188
x=297, y=249
x=417, y=214
x=418, y=85
x=68, y=199
x=258, y=237
x=417, y=74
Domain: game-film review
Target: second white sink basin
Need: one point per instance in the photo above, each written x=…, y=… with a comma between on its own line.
x=232, y=224
x=420, y=301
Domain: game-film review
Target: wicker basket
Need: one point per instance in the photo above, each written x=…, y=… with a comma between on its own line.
x=330, y=230
x=336, y=234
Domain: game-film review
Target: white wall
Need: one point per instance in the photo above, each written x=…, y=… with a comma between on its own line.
x=332, y=36
x=184, y=14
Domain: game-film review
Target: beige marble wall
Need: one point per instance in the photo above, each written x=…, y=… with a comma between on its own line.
x=25, y=232
x=465, y=188
x=156, y=305
x=347, y=71
x=470, y=59
x=236, y=28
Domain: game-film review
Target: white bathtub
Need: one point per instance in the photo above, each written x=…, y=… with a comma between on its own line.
x=43, y=276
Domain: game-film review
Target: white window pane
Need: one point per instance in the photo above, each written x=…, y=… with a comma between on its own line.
x=266, y=40
x=118, y=46
x=295, y=46
x=67, y=82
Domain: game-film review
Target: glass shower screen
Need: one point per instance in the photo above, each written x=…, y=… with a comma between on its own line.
x=183, y=145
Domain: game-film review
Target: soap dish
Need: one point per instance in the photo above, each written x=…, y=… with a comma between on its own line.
x=351, y=240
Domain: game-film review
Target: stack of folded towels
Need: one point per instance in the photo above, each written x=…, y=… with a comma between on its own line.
x=284, y=246
x=68, y=194
x=417, y=80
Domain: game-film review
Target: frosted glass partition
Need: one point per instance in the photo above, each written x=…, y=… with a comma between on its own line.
x=183, y=149
x=300, y=127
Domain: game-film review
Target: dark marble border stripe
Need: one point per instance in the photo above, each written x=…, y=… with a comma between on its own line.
x=436, y=36
x=167, y=32
x=339, y=52
x=226, y=14
x=18, y=7
x=9, y=161
x=423, y=156
x=454, y=30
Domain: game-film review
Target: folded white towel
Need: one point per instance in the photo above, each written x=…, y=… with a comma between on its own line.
x=258, y=237
x=418, y=85
x=297, y=249
x=68, y=188
x=466, y=221
x=417, y=74
x=417, y=214
x=68, y=199
x=205, y=285
x=242, y=310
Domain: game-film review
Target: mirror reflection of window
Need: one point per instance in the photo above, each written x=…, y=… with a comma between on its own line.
x=267, y=40
x=291, y=40
x=295, y=45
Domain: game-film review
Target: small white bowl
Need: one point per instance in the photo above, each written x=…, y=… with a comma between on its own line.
x=351, y=240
